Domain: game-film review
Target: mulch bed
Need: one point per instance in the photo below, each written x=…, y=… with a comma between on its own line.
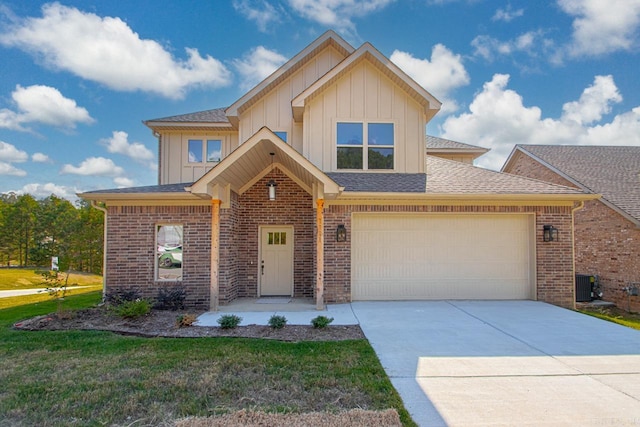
x=160, y=323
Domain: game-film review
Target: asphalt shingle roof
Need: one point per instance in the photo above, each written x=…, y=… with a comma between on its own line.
x=435, y=143
x=380, y=182
x=611, y=171
x=166, y=188
x=216, y=115
x=451, y=177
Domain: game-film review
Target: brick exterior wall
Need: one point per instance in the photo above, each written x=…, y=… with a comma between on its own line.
x=554, y=260
x=131, y=244
x=606, y=243
x=293, y=206
x=131, y=250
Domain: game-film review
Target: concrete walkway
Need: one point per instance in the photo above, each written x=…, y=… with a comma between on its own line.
x=505, y=363
x=22, y=292
x=297, y=312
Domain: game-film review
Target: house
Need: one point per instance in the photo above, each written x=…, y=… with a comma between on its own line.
x=317, y=183
x=607, y=231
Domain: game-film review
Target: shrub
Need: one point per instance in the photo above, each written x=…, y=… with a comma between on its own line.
x=229, y=321
x=277, y=322
x=321, y=321
x=171, y=298
x=119, y=296
x=133, y=309
x=184, y=320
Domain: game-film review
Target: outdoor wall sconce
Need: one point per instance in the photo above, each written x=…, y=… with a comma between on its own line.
x=271, y=185
x=341, y=233
x=549, y=233
x=272, y=189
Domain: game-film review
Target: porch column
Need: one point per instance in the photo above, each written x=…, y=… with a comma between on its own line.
x=215, y=254
x=320, y=254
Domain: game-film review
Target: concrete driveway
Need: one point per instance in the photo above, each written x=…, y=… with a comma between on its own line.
x=497, y=363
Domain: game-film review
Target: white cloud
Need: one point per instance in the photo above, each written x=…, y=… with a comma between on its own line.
x=256, y=65
x=337, y=14
x=40, y=158
x=118, y=143
x=9, y=153
x=595, y=101
x=41, y=191
x=43, y=104
x=531, y=43
x=94, y=166
x=507, y=14
x=601, y=27
x=441, y=75
x=263, y=13
x=123, y=182
x=108, y=51
x=498, y=119
x=9, y=169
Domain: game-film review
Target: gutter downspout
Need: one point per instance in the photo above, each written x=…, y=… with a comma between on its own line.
x=573, y=246
x=104, y=248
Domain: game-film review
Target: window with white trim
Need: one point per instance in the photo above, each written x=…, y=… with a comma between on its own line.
x=209, y=151
x=365, y=146
x=169, y=252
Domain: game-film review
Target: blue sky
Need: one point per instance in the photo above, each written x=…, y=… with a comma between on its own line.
x=78, y=77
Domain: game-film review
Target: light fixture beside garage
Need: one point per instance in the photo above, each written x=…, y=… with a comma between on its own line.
x=271, y=185
x=341, y=233
x=549, y=233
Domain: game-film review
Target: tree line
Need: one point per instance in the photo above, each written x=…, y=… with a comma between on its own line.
x=32, y=231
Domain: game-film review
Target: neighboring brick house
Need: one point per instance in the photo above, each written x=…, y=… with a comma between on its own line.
x=607, y=231
x=317, y=183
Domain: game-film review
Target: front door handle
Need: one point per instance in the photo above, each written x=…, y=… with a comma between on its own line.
x=262, y=267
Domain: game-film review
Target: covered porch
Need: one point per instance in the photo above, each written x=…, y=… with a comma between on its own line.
x=267, y=222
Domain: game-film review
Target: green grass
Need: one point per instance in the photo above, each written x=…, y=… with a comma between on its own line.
x=99, y=378
x=25, y=278
x=613, y=314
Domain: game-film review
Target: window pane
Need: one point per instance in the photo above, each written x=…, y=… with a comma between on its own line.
x=380, y=158
x=195, y=151
x=282, y=135
x=349, y=158
x=380, y=134
x=169, y=252
x=214, y=150
x=276, y=240
x=283, y=238
x=349, y=134
x=270, y=239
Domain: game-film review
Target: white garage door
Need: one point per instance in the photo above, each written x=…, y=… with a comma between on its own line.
x=432, y=256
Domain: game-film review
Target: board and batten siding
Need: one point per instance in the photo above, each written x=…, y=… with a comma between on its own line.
x=274, y=108
x=365, y=94
x=174, y=157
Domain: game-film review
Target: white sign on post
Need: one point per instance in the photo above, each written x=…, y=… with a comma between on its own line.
x=54, y=263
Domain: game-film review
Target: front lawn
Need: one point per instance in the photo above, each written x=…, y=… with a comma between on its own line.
x=99, y=378
x=616, y=315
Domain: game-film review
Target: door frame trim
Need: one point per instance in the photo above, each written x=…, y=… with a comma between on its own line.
x=288, y=227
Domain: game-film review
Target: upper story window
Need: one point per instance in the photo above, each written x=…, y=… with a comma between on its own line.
x=211, y=150
x=365, y=146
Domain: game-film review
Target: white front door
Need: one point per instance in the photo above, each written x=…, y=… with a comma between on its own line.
x=276, y=261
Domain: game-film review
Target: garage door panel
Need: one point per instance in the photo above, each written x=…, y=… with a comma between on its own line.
x=422, y=256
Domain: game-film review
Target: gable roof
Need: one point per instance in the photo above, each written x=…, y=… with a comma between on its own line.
x=329, y=38
x=430, y=104
x=613, y=171
x=436, y=145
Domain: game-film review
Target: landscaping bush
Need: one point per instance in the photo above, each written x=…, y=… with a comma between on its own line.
x=277, y=322
x=320, y=322
x=171, y=298
x=185, y=320
x=229, y=321
x=133, y=309
x=119, y=296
